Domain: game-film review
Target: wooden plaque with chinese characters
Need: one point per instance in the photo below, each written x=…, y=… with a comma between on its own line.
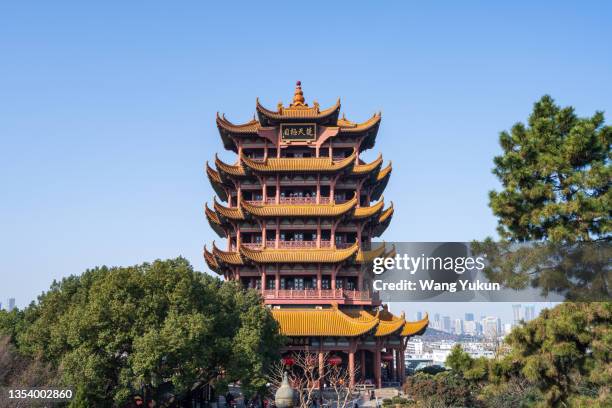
x=298, y=131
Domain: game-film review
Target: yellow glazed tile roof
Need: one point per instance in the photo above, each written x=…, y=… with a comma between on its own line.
x=368, y=256
x=231, y=258
x=321, y=322
x=384, y=172
x=392, y=252
x=389, y=324
x=310, y=164
x=216, y=182
x=231, y=169
x=211, y=261
x=299, y=210
x=386, y=214
x=296, y=164
x=250, y=127
x=232, y=213
x=298, y=112
x=214, y=221
x=346, y=126
x=296, y=210
x=365, y=212
x=213, y=175
x=412, y=328
x=368, y=167
x=211, y=215
x=319, y=255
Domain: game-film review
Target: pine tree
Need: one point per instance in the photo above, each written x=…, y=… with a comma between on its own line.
x=555, y=172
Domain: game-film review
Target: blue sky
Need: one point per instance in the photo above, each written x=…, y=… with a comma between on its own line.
x=107, y=111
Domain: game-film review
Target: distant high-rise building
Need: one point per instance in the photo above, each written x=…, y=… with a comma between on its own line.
x=529, y=312
x=419, y=315
x=0, y=305
x=11, y=304
x=470, y=327
x=437, y=324
x=516, y=312
x=469, y=317
x=458, y=326
x=446, y=324
x=491, y=327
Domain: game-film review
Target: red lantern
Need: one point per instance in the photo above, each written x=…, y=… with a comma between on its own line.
x=386, y=357
x=288, y=361
x=334, y=360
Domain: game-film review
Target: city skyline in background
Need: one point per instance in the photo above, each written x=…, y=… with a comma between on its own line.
x=108, y=115
x=505, y=311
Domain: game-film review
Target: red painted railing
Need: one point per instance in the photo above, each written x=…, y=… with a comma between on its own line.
x=252, y=245
x=291, y=200
x=341, y=245
x=316, y=294
x=288, y=245
x=297, y=244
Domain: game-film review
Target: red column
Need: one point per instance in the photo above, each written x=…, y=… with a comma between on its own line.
x=277, y=198
x=377, y=374
x=263, y=280
x=333, y=278
x=277, y=239
x=403, y=366
x=362, y=369
x=321, y=367
x=263, y=233
x=351, y=367
x=332, y=188
x=277, y=283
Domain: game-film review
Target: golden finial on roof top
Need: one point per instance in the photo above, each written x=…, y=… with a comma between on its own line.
x=298, y=96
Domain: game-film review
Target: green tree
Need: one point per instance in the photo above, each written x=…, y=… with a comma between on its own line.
x=461, y=362
x=566, y=351
x=117, y=330
x=445, y=389
x=555, y=172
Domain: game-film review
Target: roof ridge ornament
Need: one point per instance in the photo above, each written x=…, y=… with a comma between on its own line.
x=298, y=96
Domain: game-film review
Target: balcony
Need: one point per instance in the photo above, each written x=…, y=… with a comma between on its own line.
x=342, y=245
x=306, y=296
x=250, y=245
x=271, y=244
x=298, y=244
x=290, y=200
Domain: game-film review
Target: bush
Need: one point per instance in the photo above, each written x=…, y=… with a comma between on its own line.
x=445, y=389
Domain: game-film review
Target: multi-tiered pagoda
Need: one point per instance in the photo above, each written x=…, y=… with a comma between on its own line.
x=299, y=212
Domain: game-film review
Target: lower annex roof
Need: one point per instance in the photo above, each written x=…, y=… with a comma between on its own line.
x=302, y=322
